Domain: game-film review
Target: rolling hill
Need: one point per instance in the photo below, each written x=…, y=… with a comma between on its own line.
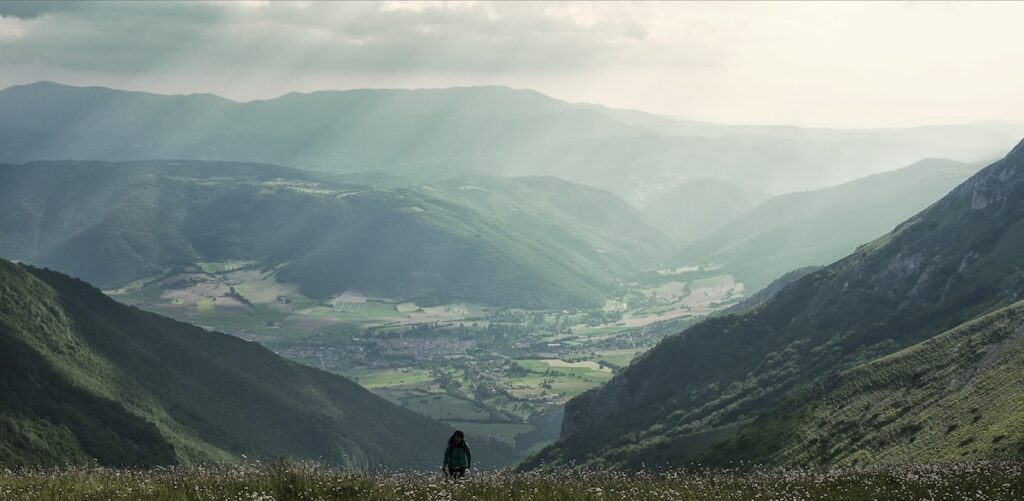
x=538, y=242
x=435, y=133
x=820, y=226
x=696, y=208
x=526, y=205
x=87, y=378
x=841, y=328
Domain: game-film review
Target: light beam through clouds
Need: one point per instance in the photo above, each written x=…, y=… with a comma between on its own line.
x=836, y=64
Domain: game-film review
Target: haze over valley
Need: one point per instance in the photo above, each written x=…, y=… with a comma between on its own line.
x=308, y=270
x=478, y=298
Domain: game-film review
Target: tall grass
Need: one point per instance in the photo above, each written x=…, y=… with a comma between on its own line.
x=287, y=481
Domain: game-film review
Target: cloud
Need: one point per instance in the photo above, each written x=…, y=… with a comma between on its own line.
x=32, y=10
x=329, y=37
x=823, y=63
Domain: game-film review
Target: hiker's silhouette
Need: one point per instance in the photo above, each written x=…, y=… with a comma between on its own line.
x=457, y=456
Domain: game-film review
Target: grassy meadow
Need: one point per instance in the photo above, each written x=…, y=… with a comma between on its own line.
x=285, y=481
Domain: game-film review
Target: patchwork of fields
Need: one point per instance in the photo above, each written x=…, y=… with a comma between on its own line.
x=497, y=373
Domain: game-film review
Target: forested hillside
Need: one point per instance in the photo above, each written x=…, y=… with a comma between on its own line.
x=87, y=378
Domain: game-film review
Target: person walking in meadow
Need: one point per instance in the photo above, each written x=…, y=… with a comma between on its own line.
x=457, y=456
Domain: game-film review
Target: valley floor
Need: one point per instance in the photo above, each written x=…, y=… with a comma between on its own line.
x=497, y=373
x=979, y=480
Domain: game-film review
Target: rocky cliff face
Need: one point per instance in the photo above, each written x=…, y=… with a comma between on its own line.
x=957, y=259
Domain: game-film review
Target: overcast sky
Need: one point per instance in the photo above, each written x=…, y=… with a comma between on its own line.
x=836, y=64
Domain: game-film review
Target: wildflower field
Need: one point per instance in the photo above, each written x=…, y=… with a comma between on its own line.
x=285, y=481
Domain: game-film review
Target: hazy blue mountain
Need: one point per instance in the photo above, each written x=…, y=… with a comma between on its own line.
x=820, y=226
x=333, y=130
x=440, y=132
x=88, y=378
x=1010, y=129
x=832, y=334
x=538, y=242
x=696, y=208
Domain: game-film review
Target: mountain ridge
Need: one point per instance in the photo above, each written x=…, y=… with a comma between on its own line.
x=440, y=132
x=820, y=226
x=952, y=396
x=697, y=208
x=112, y=223
x=899, y=290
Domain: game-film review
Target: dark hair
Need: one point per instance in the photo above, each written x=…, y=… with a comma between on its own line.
x=458, y=433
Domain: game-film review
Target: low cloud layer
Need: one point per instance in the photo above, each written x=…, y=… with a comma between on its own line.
x=729, y=62
x=362, y=37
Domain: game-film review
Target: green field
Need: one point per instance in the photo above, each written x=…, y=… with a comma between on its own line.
x=710, y=283
x=445, y=407
x=566, y=382
x=620, y=358
x=505, y=432
x=205, y=305
x=603, y=330
x=383, y=378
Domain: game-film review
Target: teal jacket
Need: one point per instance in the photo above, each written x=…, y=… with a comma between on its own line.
x=458, y=456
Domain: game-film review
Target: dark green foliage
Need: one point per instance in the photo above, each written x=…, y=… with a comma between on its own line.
x=49, y=420
x=957, y=260
x=86, y=377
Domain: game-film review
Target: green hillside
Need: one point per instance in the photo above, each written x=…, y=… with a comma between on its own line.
x=694, y=209
x=87, y=378
x=956, y=396
x=592, y=225
x=526, y=243
x=953, y=262
x=820, y=226
x=439, y=132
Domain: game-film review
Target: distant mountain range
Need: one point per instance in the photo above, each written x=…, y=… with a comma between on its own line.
x=817, y=227
x=530, y=242
x=86, y=378
x=909, y=349
x=434, y=133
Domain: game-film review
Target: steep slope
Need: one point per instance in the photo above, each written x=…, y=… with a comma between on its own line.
x=768, y=291
x=956, y=260
x=818, y=227
x=113, y=223
x=85, y=377
x=956, y=396
x=696, y=208
x=435, y=133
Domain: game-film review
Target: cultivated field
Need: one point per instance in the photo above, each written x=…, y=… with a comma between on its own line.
x=499, y=373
